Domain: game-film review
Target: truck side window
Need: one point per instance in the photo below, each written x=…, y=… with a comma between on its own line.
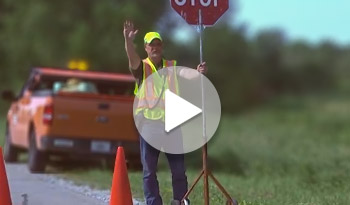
x=57, y=86
x=75, y=85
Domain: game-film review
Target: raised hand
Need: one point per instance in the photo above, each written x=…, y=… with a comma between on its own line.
x=129, y=30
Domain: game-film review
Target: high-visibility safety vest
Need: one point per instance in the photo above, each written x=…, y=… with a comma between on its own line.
x=148, y=94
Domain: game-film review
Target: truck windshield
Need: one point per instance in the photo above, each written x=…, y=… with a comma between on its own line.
x=91, y=86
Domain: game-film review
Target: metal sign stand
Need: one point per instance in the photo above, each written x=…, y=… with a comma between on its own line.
x=206, y=173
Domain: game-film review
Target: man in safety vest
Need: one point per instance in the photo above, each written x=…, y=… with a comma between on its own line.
x=141, y=69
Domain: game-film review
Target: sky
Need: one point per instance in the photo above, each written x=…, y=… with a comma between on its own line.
x=312, y=20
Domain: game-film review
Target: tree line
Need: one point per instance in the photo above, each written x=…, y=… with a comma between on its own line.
x=245, y=70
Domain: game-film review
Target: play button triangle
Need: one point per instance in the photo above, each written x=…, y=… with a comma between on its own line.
x=177, y=110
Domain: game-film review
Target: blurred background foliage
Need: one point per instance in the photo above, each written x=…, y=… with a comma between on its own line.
x=293, y=149
x=246, y=70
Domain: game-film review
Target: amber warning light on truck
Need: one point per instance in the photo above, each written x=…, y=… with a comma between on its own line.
x=78, y=65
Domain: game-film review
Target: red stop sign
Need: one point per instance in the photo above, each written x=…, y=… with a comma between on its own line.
x=211, y=10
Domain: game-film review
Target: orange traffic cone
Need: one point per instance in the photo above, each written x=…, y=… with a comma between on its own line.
x=121, y=192
x=5, y=197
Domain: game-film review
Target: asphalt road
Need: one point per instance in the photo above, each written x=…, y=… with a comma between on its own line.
x=43, y=189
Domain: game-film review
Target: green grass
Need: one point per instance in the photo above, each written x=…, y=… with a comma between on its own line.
x=294, y=150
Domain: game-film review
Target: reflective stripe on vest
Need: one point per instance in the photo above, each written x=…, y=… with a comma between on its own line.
x=149, y=92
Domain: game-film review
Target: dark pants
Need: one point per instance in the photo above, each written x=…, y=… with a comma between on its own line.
x=149, y=159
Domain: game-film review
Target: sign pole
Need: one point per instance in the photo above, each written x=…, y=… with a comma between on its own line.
x=207, y=14
x=204, y=134
x=205, y=172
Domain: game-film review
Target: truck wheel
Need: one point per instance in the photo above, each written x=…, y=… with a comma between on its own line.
x=36, y=158
x=10, y=151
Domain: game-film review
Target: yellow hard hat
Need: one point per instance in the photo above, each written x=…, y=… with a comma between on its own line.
x=150, y=36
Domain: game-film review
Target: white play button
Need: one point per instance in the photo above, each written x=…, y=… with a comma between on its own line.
x=178, y=110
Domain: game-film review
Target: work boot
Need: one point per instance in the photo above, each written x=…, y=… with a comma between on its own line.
x=177, y=202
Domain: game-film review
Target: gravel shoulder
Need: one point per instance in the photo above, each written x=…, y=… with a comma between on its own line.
x=48, y=189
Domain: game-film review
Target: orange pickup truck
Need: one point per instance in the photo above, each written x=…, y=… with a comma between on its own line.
x=71, y=113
